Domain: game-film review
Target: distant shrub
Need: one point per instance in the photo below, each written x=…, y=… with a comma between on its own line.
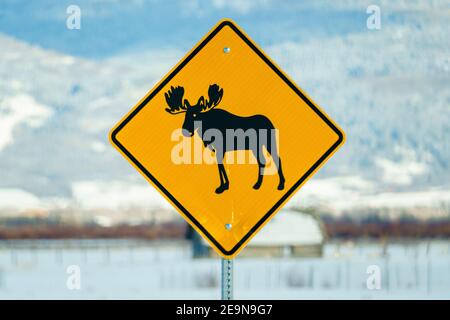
x=206, y=280
x=296, y=279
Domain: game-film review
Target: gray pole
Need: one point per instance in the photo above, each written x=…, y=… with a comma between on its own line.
x=227, y=279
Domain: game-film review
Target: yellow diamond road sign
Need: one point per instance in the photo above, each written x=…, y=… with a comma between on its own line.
x=227, y=138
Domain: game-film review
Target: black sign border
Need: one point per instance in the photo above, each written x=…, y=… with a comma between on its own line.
x=169, y=195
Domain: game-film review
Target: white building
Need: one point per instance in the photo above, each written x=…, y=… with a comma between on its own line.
x=289, y=233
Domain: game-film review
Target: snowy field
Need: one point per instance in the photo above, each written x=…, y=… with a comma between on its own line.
x=116, y=269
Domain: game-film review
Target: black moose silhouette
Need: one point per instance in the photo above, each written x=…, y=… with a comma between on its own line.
x=205, y=116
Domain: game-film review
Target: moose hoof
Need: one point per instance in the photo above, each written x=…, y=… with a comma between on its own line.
x=281, y=186
x=222, y=188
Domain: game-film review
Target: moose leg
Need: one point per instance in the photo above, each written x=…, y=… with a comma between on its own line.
x=223, y=176
x=277, y=160
x=261, y=164
x=223, y=179
x=280, y=174
x=260, y=176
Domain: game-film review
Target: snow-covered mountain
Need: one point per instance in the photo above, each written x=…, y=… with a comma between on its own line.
x=389, y=89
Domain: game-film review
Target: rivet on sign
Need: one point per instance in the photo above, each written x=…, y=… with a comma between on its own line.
x=228, y=226
x=227, y=49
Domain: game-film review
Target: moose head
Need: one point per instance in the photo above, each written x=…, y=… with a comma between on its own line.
x=174, y=99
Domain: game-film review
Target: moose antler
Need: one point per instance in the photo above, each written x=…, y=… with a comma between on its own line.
x=174, y=99
x=215, y=94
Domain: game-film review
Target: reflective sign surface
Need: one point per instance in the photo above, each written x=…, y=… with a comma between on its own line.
x=227, y=138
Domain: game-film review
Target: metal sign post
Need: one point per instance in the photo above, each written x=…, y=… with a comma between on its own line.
x=227, y=279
